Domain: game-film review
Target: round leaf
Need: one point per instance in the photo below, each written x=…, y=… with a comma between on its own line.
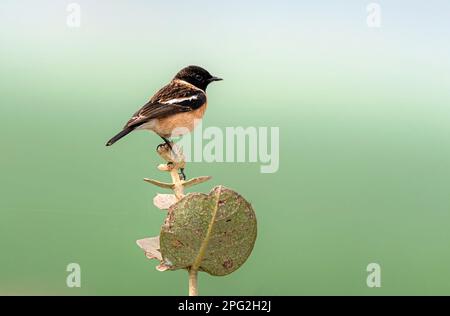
x=212, y=232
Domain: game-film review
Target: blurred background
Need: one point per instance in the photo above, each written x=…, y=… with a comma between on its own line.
x=363, y=114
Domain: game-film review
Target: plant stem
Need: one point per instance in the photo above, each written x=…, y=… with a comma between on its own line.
x=174, y=164
x=193, y=287
x=177, y=184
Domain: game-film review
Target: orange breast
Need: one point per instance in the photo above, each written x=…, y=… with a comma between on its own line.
x=179, y=124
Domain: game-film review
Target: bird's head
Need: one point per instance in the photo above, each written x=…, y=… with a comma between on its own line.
x=196, y=76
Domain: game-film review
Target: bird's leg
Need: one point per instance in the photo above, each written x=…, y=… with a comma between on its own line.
x=181, y=174
x=167, y=143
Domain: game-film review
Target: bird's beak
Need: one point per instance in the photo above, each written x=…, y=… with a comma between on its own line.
x=215, y=79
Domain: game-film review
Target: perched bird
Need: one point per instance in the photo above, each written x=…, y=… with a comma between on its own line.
x=173, y=110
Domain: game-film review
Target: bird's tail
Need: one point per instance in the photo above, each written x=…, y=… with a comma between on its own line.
x=123, y=133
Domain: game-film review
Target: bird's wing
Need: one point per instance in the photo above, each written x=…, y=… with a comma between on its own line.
x=172, y=99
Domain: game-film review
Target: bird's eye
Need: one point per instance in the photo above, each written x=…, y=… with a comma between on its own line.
x=199, y=78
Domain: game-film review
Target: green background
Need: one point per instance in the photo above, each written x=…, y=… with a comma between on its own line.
x=364, y=142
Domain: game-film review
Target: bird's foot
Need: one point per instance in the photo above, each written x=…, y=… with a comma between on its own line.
x=168, y=143
x=168, y=147
x=174, y=158
x=158, y=148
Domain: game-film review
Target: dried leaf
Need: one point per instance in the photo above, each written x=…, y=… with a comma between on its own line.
x=212, y=232
x=150, y=247
x=160, y=184
x=151, y=250
x=195, y=181
x=164, y=201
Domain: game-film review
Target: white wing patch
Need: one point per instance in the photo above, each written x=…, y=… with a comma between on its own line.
x=178, y=100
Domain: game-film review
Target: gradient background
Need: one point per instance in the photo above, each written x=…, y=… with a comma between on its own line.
x=365, y=142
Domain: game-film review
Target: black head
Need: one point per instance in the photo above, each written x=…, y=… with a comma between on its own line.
x=196, y=76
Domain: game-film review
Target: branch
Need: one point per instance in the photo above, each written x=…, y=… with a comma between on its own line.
x=175, y=162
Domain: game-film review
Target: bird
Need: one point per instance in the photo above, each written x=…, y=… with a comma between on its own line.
x=175, y=109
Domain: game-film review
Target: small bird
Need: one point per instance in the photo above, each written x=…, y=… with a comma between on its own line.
x=175, y=109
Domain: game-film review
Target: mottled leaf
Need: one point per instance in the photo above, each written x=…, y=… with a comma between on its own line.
x=212, y=232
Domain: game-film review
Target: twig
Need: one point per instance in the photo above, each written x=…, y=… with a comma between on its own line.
x=175, y=162
x=186, y=184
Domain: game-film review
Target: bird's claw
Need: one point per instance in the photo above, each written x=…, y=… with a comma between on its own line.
x=159, y=147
